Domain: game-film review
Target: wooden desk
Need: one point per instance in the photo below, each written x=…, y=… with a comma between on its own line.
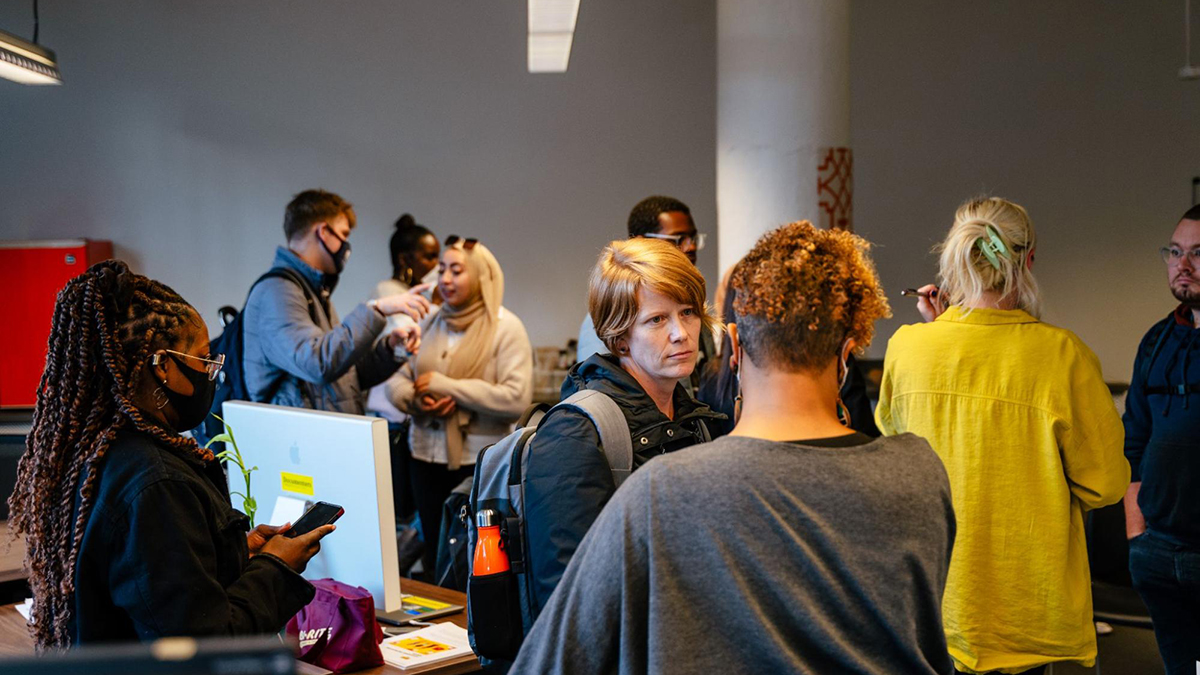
x=15, y=640
x=12, y=560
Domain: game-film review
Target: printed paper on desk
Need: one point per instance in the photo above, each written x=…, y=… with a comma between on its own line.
x=287, y=510
x=25, y=608
x=436, y=643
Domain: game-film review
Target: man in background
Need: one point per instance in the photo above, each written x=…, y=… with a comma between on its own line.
x=1162, y=443
x=657, y=217
x=297, y=352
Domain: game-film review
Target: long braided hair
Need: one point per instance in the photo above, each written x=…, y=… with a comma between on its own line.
x=106, y=324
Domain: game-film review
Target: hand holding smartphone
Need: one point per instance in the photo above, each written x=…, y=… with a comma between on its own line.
x=321, y=513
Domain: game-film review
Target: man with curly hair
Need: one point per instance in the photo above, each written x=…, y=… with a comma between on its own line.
x=812, y=548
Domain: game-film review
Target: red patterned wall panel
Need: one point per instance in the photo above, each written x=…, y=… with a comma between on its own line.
x=835, y=188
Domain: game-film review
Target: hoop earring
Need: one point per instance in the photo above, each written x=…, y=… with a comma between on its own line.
x=737, y=399
x=843, y=413
x=160, y=398
x=408, y=276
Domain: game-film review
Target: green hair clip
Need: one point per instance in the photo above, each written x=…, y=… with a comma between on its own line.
x=992, y=246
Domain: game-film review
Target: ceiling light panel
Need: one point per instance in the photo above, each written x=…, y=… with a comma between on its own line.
x=549, y=52
x=553, y=16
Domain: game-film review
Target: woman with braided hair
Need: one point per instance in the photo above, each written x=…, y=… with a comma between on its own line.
x=129, y=529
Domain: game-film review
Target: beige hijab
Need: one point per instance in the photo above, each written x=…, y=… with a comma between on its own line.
x=476, y=319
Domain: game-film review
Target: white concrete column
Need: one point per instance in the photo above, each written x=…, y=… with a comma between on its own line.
x=783, y=94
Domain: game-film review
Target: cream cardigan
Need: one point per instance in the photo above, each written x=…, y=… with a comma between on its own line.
x=493, y=401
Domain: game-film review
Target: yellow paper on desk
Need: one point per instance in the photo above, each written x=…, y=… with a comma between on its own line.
x=433, y=644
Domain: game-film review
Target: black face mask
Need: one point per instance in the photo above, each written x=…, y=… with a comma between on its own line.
x=342, y=254
x=192, y=410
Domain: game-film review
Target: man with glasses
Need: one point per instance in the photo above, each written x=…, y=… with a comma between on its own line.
x=1162, y=443
x=297, y=352
x=657, y=217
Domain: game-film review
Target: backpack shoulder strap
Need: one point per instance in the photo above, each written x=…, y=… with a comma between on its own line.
x=610, y=422
x=295, y=278
x=1158, y=341
x=273, y=273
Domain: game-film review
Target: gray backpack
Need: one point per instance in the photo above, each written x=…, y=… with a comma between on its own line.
x=498, y=605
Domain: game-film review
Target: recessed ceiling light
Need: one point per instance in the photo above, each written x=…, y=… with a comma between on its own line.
x=551, y=33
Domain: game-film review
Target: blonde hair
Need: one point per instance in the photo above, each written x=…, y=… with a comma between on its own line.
x=628, y=265
x=973, y=263
x=801, y=292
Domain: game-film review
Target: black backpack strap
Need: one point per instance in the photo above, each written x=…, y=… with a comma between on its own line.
x=273, y=273
x=1174, y=389
x=294, y=277
x=1159, y=340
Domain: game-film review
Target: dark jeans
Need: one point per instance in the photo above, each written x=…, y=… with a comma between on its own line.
x=431, y=484
x=402, y=498
x=1167, y=576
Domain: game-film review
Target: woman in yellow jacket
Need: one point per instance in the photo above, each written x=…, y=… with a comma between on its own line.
x=1020, y=415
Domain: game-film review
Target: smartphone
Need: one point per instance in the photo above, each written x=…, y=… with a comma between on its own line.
x=321, y=513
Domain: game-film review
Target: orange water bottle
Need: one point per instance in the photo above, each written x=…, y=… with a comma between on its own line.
x=490, y=557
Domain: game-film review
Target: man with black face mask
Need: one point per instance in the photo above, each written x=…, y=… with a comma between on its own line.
x=297, y=352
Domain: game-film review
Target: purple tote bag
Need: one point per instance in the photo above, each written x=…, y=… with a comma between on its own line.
x=338, y=630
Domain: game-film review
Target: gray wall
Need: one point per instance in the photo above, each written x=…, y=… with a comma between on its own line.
x=1071, y=108
x=184, y=127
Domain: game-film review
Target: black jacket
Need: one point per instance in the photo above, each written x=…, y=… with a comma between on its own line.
x=718, y=390
x=164, y=554
x=568, y=480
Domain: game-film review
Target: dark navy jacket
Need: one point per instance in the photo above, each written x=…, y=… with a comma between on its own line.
x=1162, y=428
x=568, y=480
x=164, y=554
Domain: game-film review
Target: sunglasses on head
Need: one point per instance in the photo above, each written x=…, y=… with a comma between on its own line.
x=468, y=244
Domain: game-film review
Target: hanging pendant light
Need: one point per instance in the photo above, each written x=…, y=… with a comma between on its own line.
x=27, y=63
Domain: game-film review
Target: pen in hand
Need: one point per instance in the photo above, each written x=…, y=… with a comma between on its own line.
x=930, y=301
x=912, y=291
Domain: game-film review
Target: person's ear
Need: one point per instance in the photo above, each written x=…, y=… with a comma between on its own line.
x=734, y=346
x=622, y=347
x=1029, y=259
x=158, y=366
x=847, y=348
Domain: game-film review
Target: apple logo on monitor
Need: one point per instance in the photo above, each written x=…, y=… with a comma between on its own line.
x=294, y=452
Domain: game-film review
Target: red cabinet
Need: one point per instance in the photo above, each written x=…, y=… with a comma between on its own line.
x=31, y=275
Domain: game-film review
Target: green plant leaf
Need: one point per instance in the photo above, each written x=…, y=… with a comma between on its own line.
x=234, y=454
x=219, y=438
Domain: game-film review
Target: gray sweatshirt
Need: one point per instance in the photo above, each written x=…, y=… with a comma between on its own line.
x=752, y=556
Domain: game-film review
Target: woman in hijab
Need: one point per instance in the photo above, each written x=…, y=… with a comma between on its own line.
x=472, y=378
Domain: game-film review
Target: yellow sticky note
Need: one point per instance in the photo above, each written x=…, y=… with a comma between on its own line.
x=294, y=482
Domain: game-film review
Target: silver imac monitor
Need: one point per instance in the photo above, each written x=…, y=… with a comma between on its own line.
x=306, y=456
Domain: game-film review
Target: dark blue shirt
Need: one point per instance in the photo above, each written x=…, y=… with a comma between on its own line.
x=1162, y=427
